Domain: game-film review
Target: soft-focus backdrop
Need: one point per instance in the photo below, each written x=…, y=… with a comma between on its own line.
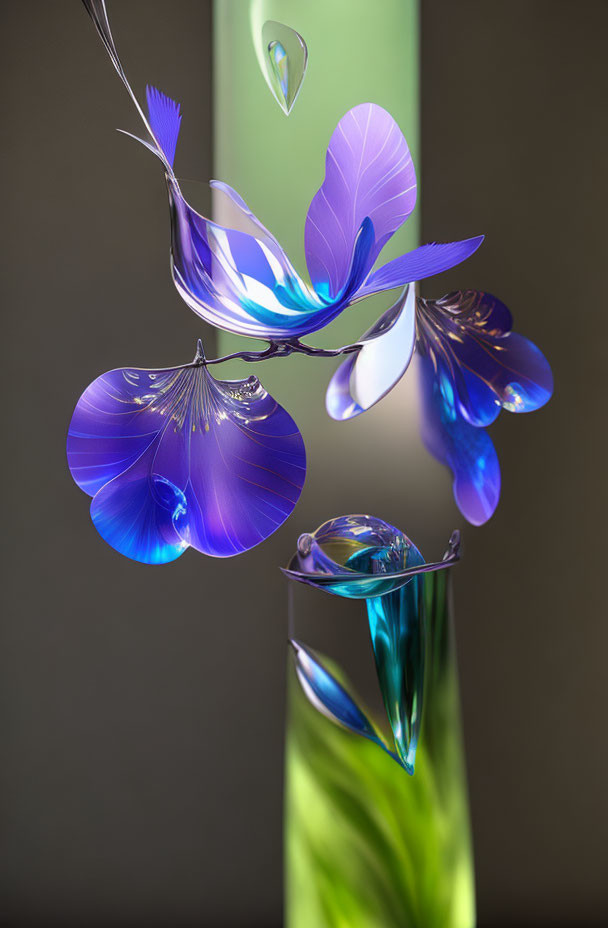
x=141, y=709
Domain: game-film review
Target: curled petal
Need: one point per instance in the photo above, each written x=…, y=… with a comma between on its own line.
x=175, y=458
x=466, y=449
x=135, y=514
x=369, y=374
x=245, y=283
x=330, y=558
x=368, y=173
x=468, y=335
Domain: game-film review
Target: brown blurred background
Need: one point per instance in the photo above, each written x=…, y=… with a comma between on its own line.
x=141, y=709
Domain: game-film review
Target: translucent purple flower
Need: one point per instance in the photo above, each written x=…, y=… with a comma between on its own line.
x=471, y=366
x=174, y=458
x=242, y=281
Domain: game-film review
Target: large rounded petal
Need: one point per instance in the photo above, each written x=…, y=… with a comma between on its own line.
x=370, y=373
x=368, y=173
x=247, y=466
x=175, y=458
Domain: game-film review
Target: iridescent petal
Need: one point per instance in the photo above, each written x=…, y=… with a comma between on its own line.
x=245, y=284
x=176, y=458
x=467, y=450
x=328, y=696
x=135, y=514
x=420, y=263
x=370, y=373
x=396, y=624
x=468, y=334
x=368, y=173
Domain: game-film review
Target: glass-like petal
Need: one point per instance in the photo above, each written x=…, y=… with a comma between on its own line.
x=396, y=624
x=419, y=264
x=245, y=284
x=135, y=514
x=466, y=449
x=370, y=373
x=328, y=696
x=468, y=335
x=174, y=458
x=324, y=558
x=368, y=173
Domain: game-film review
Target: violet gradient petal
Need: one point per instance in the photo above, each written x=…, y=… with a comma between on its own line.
x=368, y=173
x=176, y=458
x=134, y=513
x=468, y=333
x=420, y=263
x=468, y=451
x=366, y=376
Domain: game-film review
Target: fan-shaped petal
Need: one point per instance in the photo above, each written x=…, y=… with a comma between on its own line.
x=468, y=334
x=175, y=458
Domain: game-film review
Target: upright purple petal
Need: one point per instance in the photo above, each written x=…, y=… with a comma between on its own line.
x=165, y=120
x=422, y=262
x=468, y=451
x=369, y=374
x=175, y=458
x=368, y=173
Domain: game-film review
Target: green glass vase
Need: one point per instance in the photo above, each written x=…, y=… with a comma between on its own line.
x=366, y=844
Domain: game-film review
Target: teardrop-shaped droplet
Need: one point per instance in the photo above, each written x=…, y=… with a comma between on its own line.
x=285, y=59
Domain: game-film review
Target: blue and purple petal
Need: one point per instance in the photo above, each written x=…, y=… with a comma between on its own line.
x=466, y=449
x=174, y=458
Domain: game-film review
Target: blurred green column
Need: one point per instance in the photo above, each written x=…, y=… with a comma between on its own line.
x=358, y=52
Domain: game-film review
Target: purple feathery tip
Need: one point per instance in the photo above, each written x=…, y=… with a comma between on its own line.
x=165, y=120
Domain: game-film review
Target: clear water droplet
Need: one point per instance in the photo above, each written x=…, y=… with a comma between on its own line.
x=286, y=57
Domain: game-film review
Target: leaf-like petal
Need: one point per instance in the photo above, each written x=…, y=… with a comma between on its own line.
x=420, y=263
x=175, y=458
x=467, y=450
x=369, y=374
x=368, y=173
x=328, y=696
